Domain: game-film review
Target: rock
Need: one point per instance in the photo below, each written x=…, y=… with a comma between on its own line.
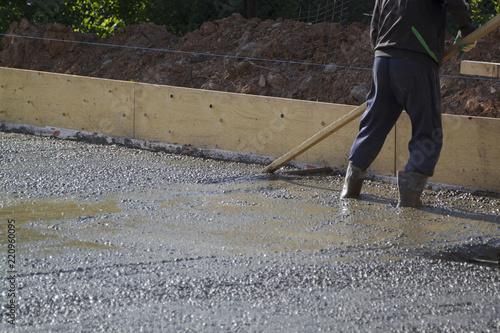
x=359, y=92
x=262, y=81
x=331, y=68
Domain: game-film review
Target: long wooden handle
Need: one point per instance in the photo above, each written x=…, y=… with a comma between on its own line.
x=358, y=111
x=316, y=138
x=473, y=37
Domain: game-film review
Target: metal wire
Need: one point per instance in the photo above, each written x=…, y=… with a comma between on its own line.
x=225, y=56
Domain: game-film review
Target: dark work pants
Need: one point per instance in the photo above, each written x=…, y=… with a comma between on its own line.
x=398, y=85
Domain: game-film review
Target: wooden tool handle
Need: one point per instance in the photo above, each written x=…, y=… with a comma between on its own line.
x=473, y=37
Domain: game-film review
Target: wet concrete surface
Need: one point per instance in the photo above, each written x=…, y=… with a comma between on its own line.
x=116, y=239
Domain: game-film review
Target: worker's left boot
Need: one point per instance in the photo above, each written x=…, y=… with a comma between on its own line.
x=353, y=181
x=411, y=185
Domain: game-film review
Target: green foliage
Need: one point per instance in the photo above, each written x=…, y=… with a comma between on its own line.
x=12, y=11
x=9, y=14
x=484, y=10
x=180, y=17
x=228, y=6
x=93, y=17
x=87, y=16
x=103, y=18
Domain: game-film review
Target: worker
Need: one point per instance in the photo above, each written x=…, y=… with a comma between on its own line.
x=408, y=40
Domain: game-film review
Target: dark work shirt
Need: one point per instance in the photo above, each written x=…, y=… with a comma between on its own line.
x=415, y=29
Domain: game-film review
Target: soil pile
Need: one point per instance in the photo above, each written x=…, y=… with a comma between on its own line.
x=283, y=58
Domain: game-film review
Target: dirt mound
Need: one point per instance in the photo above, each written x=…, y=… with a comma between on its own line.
x=320, y=62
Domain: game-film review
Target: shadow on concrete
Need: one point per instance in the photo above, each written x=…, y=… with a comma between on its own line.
x=458, y=212
x=478, y=254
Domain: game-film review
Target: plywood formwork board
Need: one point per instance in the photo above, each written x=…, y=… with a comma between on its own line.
x=245, y=123
x=74, y=102
x=471, y=151
x=13, y=101
x=479, y=68
x=470, y=156
x=236, y=122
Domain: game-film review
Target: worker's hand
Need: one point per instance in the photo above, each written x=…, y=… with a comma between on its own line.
x=467, y=47
x=463, y=47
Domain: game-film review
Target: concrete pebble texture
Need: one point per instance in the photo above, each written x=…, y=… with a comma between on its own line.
x=116, y=239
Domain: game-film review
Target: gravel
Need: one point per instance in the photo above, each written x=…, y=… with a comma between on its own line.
x=116, y=239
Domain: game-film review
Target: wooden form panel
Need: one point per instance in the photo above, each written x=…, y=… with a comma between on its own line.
x=470, y=156
x=13, y=102
x=471, y=152
x=479, y=68
x=246, y=123
x=80, y=103
x=236, y=122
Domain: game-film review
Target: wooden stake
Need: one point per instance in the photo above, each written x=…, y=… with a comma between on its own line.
x=479, y=68
x=355, y=113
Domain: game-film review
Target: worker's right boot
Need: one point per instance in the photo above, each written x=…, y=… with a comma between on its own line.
x=411, y=185
x=353, y=181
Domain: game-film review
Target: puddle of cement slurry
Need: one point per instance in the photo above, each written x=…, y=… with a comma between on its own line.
x=41, y=223
x=250, y=214
x=71, y=196
x=279, y=215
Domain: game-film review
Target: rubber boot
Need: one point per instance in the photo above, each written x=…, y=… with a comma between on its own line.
x=353, y=181
x=411, y=185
